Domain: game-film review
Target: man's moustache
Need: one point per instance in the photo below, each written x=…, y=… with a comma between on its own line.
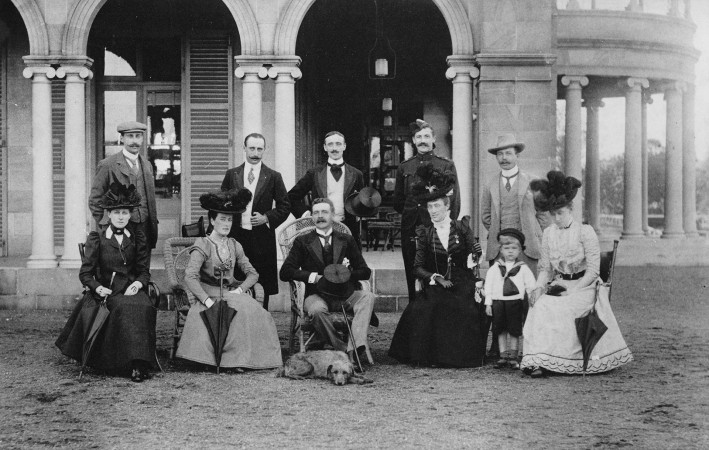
x=320, y=221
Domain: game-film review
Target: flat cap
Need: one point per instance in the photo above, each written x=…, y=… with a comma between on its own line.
x=132, y=127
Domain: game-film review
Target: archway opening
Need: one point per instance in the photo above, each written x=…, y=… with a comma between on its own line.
x=337, y=93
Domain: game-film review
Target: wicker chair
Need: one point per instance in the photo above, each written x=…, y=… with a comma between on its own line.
x=300, y=322
x=176, y=252
x=608, y=266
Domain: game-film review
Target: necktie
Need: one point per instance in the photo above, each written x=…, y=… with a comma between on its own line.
x=133, y=166
x=327, y=250
x=326, y=245
x=509, y=288
x=336, y=170
x=508, y=185
x=251, y=176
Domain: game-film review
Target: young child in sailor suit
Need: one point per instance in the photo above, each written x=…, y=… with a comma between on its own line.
x=506, y=283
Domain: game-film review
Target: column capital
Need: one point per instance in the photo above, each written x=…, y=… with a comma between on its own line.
x=245, y=70
x=634, y=83
x=647, y=98
x=673, y=86
x=32, y=71
x=573, y=80
x=594, y=102
x=461, y=65
x=82, y=72
x=293, y=72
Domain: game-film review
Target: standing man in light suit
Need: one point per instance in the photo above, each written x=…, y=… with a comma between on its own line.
x=128, y=167
x=255, y=228
x=336, y=181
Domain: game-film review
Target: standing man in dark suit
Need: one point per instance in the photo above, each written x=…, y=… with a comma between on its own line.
x=255, y=228
x=311, y=254
x=336, y=181
x=128, y=167
x=413, y=213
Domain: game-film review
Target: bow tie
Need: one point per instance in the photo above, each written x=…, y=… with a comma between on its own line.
x=509, y=288
x=336, y=170
x=116, y=230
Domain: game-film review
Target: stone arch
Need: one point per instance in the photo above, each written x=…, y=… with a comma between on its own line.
x=81, y=17
x=452, y=10
x=36, y=27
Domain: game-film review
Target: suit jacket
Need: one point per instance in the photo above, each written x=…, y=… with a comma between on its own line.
x=306, y=257
x=529, y=218
x=271, y=200
x=412, y=213
x=104, y=256
x=115, y=168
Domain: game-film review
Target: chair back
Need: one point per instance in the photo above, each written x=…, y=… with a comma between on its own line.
x=287, y=236
x=394, y=218
x=608, y=265
x=195, y=229
x=176, y=255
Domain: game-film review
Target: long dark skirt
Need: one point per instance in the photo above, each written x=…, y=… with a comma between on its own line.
x=443, y=327
x=127, y=336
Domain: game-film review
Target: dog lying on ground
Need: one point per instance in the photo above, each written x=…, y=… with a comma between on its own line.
x=329, y=364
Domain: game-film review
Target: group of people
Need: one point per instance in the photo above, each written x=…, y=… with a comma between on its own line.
x=448, y=318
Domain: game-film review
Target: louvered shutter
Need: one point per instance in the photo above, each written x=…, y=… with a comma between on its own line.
x=58, y=113
x=209, y=116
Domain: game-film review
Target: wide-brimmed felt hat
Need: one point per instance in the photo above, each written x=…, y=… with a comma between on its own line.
x=507, y=140
x=556, y=191
x=432, y=183
x=335, y=282
x=512, y=232
x=363, y=203
x=120, y=196
x=227, y=202
x=132, y=127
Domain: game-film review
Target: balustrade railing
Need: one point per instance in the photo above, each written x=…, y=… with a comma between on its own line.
x=672, y=8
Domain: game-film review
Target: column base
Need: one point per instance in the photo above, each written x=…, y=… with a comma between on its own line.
x=673, y=235
x=70, y=263
x=692, y=234
x=42, y=262
x=632, y=235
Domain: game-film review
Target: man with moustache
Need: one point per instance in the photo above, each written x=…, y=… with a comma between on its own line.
x=255, y=228
x=128, y=167
x=413, y=213
x=336, y=181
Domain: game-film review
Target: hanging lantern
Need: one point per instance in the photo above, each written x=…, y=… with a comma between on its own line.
x=382, y=58
x=386, y=104
x=387, y=121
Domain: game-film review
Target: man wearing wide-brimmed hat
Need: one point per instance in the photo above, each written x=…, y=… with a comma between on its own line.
x=336, y=180
x=413, y=213
x=507, y=202
x=128, y=167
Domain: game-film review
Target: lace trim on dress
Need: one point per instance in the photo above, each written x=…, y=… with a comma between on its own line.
x=575, y=366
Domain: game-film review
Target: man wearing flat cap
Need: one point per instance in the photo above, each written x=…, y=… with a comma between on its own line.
x=311, y=257
x=507, y=202
x=412, y=212
x=337, y=181
x=128, y=167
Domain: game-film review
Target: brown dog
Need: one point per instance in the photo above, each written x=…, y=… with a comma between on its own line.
x=329, y=364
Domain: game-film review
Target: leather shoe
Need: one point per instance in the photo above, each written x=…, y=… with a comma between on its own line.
x=537, y=373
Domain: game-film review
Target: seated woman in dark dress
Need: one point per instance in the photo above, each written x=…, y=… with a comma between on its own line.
x=115, y=268
x=444, y=326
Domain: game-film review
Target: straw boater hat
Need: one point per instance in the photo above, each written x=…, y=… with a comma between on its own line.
x=363, y=203
x=227, y=202
x=556, y=191
x=507, y=140
x=132, y=127
x=432, y=183
x=120, y=196
x=335, y=282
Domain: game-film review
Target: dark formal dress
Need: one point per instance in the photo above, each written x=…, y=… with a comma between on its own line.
x=129, y=333
x=270, y=199
x=443, y=327
x=414, y=214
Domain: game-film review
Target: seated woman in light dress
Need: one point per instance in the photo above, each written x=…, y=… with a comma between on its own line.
x=252, y=341
x=567, y=288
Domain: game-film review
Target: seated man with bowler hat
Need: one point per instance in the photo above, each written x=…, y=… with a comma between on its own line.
x=331, y=263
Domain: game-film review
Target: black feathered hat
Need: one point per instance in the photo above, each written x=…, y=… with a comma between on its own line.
x=120, y=196
x=432, y=184
x=227, y=202
x=556, y=191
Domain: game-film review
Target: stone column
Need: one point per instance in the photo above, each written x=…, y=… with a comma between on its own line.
x=42, y=256
x=632, y=198
x=284, y=145
x=689, y=165
x=251, y=75
x=572, y=158
x=593, y=165
x=462, y=72
x=673, y=162
x=647, y=99
x=75, y=191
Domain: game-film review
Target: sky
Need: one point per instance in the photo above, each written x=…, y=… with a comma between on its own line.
x=612, y=116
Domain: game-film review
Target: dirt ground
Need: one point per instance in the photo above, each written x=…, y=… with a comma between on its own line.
x=661, y=400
